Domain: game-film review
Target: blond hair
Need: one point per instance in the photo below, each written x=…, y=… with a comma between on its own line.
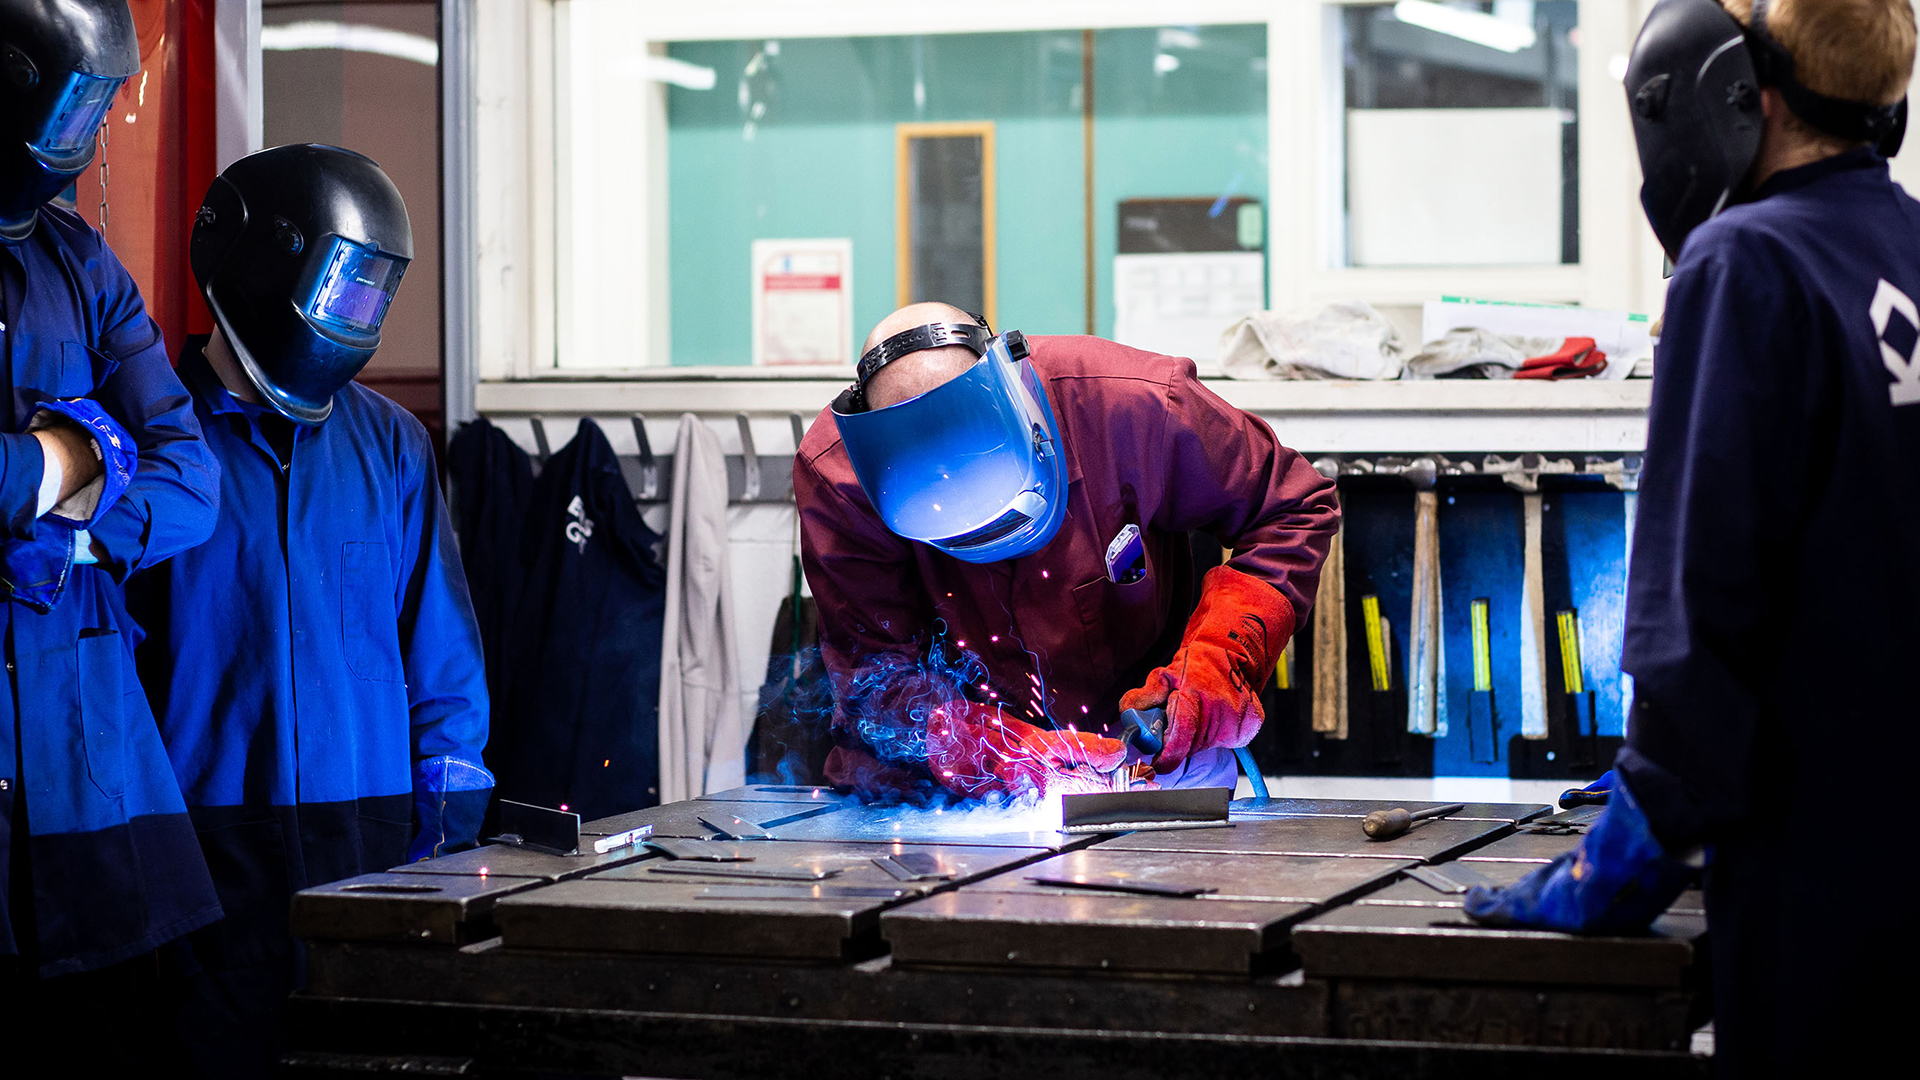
x=1855, y=50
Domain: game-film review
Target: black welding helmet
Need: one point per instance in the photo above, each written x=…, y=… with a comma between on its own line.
x=61, y=63
x=299, y=250
x=1693, y=87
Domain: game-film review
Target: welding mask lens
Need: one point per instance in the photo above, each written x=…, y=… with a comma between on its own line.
x=973, y=467
x=76, y=114
x=355, y=287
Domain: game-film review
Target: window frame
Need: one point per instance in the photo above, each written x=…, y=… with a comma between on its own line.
x=544, y=305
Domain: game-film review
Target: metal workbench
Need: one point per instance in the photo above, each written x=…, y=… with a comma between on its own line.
x=862, y=941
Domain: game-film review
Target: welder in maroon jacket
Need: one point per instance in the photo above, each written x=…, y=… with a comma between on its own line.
x=1014, y=596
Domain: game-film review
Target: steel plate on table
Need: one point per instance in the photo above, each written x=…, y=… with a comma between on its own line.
x=1087, y=931
x=783, y=920
x=846, y=864
x=1297, y=879
x=442, y=909
x=682, y=819
x=977, y=827
x=1382, y=941
x=1525, y=847
x=1409, y=891
x=779, y=793
x=1434, y=839
x=1513, y=812
x=505, y=860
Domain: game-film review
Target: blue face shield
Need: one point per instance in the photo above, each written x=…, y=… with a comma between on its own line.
x=973, y=467
x=64, y=142
x=350, y=289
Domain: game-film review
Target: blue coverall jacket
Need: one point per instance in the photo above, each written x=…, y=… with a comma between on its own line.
x=1773, y=614
x=311, y=659
x=114, y=864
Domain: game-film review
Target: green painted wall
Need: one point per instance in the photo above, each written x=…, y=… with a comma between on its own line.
x=800, y=143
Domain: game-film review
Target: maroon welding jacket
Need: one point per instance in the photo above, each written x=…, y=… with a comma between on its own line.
x=1146, y=443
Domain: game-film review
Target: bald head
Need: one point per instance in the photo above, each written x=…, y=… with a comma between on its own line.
x=916, y=373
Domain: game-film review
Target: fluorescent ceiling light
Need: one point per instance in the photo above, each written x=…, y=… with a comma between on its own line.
x=678, y=73
x=351, y=37
x=1475, y=26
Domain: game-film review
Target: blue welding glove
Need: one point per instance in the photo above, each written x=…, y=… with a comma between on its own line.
x=112, y=447
x=35, y=572
x=449, y=799
x=1594, y=794
x=1617, y=881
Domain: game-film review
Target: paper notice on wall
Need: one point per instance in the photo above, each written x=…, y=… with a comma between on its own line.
x=1624, y=336
x=802, y=301
x=1180, y=303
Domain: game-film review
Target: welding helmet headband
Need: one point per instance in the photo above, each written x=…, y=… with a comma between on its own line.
x=973, y=467
x=1693, y=87
x=299, y=251
x=61, y=64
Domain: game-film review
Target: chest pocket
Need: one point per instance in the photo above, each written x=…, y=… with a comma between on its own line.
x=48, y=367
x=369, y=626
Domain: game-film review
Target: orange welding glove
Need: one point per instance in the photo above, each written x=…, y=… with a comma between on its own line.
x=1211, y=689
x=975, y=750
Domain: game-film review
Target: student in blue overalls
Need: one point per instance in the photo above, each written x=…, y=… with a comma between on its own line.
x=315, y=667
x=1773, y=617
x=102, y=472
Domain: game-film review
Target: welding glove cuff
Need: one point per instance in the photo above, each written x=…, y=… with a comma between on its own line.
x=113, y=447
x=1617, y=881
x=35, y=572
x=975, y=750
x=1211, y=688
x=449, y=799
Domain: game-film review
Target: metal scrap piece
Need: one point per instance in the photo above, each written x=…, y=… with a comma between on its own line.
x=805, y=892
x=733, y=827
x=693, y=851
x=768, y=873
x=912, y=866
x=1135, y=888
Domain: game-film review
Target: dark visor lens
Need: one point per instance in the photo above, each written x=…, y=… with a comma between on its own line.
x=77, y=114
x=356, y=288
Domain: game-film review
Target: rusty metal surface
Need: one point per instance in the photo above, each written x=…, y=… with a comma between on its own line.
x=1511, y=812
x=709, y=909
x=1512, y=1015
x=875, y=989
x=1387, y=941
x=503, y=860
x=441, y=909
x=1525, y=847
x=1288, y=878
x=613, y=916
x=848, y=864
x=912, y=825
x=1087, y=931
x=682, y=819
x=1436, y=839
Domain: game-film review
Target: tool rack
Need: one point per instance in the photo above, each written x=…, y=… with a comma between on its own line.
x=1318, y=953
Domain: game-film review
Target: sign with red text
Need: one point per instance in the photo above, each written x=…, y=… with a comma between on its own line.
x=803, y=301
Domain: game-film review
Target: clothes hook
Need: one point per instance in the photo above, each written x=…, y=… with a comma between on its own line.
x=749, y=462
x=649, y=467
x=540, y=445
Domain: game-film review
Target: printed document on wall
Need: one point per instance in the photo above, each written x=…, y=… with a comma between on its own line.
x=1179, y=303
x=802, y=301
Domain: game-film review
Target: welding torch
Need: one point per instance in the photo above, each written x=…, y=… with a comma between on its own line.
x=1146, y=731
